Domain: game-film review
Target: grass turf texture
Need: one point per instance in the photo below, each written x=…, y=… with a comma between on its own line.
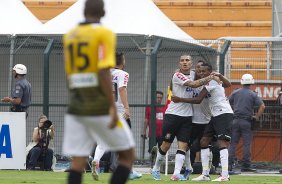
x=40, y=177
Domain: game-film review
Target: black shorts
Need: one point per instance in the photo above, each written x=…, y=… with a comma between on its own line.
x=176, y=126
x=220, y=126
x=197, y=132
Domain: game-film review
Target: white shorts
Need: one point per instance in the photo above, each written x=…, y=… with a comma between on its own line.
x=81, y=133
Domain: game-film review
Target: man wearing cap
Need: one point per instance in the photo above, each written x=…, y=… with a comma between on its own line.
x=21, y=94
x=244, y=100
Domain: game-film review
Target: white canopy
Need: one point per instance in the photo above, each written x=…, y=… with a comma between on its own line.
x=15, y=18
x=122, y=16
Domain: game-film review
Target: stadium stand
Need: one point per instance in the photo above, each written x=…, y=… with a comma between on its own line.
x=220, y=17
x=45, y=10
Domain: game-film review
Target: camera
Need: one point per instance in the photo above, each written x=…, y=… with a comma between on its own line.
x=46, y=125
x=45, y=135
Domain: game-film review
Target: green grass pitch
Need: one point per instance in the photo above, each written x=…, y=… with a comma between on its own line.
x=40, y=177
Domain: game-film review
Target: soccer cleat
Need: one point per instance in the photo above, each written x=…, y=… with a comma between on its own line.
x=134, y=175
x=202, y=178
x=187, y=173
x=95, y=170
x=222, y=179
x=156, y=175
x=177, y=177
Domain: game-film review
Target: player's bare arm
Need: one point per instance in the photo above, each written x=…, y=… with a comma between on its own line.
x=146, y=124
x=105, y=79
x=195, y=100
x=225, y=82
x=200, y=82
x=124, y=100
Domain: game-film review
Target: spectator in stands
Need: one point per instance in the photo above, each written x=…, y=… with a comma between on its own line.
x=42, y=139
x=244, y=101
x=159, y=119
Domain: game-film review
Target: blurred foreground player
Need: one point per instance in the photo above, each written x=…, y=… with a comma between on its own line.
x=92, y=116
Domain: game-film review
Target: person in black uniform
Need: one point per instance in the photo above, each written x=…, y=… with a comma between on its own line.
x=21, y=94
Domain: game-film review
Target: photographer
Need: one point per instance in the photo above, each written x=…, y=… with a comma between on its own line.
x=43, y=134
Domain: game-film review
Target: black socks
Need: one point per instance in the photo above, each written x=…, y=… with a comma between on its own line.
x=120, y=175
x=74, y=177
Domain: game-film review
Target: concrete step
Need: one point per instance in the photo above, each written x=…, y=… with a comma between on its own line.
x=252, y=10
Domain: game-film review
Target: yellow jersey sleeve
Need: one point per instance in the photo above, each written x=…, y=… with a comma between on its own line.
x=106, y=49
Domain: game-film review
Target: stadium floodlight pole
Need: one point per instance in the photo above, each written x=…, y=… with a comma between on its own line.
x=47, y=52
x=12, y=53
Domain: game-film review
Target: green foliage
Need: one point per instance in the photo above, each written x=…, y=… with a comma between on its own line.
x=40, y=177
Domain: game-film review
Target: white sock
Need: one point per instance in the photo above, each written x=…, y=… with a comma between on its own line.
x=158, y=162
x=179, y=161
x=99, y=152
x=205, y=154
x=210, y=160
x=187, y=161
x=224, y=162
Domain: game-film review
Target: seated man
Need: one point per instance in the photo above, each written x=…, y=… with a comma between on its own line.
x=41, y=137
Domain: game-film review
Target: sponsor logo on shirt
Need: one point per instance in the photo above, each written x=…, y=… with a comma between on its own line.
x=82, y=80
x=189, y=89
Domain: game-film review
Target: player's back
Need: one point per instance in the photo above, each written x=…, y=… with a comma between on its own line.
x=87, y=50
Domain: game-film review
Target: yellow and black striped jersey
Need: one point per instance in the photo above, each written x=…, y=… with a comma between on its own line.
x=88, y=48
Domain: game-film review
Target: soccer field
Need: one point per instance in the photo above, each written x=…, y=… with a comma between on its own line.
x=40, y=177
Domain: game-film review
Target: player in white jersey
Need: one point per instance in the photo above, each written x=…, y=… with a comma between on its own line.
x=220, y=124
x=119, y=80
x=178, y=117
x=201, y=117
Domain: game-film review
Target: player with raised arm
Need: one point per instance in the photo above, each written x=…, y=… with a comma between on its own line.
x=219, y=125
x=178, y=117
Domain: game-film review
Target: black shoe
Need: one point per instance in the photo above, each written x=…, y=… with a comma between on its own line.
x=248, y=170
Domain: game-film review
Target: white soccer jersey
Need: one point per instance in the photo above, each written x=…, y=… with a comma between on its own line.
x=178, y=89
x=201, y=112
x=119, y=79
x=218, y=102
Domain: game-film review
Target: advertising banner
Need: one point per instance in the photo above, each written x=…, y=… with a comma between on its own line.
x=265, y=91
x=12, y=140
